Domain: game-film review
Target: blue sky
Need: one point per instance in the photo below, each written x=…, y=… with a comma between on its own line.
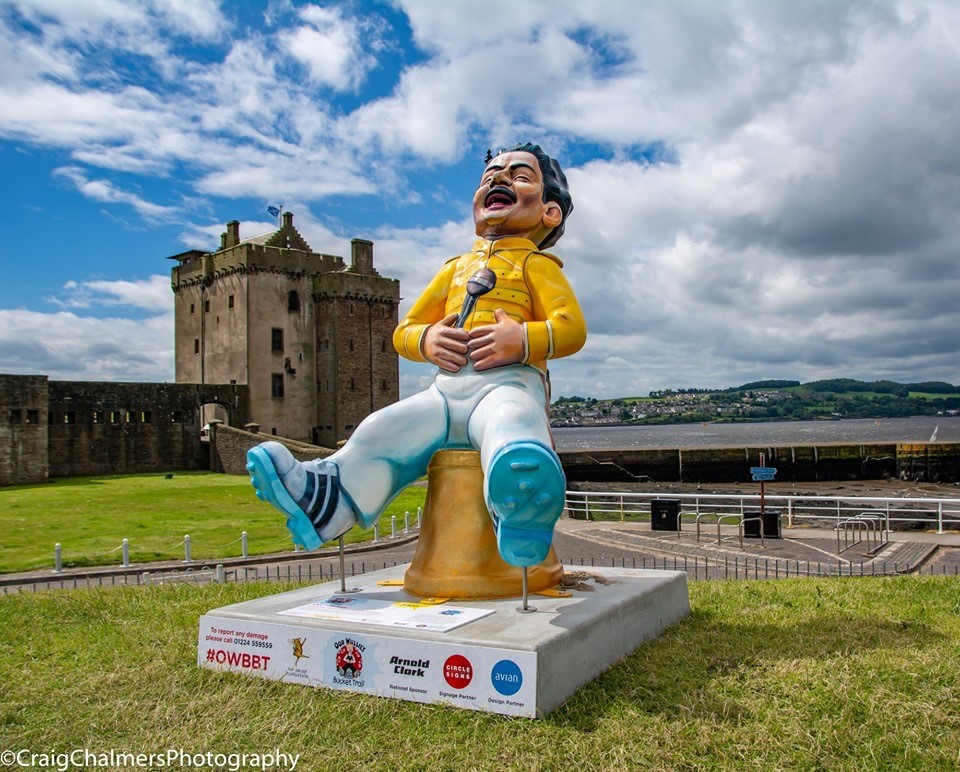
x=763, y=189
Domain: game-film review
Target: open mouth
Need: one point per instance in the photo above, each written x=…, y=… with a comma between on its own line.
x=499, y=198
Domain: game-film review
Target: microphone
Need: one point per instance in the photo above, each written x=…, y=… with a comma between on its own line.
x=480, y=284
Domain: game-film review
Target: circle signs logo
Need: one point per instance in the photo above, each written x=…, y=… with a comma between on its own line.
x=506, y=677
x=458, y=671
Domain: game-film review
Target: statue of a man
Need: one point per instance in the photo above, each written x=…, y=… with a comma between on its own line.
x=490, y=393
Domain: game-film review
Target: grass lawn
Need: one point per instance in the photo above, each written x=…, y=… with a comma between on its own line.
x=90, y=517
x=792, y=674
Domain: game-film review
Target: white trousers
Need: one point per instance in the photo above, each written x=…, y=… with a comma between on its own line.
x=486, y=411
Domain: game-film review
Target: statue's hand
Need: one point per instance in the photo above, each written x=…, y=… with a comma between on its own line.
x=497, y=344
x=445, y=345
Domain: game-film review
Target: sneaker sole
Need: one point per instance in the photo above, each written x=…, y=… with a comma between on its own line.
x=269, y=488
x=525, y=490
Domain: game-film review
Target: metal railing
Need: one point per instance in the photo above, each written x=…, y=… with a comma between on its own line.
x=829, y=511
x=696, y=568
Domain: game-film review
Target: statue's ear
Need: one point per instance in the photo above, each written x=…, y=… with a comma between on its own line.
x=553, y=215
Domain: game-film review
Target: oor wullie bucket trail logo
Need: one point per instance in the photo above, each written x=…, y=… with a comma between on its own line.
x=458, y=671
x=349, y=662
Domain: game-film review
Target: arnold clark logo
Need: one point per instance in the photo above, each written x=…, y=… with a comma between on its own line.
x=410, y=667
x=349, y=662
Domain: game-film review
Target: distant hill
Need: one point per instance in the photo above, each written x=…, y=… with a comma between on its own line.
x=767, y=400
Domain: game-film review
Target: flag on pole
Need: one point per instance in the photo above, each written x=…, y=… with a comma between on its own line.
x=274, y=210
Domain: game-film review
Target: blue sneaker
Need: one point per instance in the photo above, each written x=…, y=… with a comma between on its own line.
x=525, y=489
x=308, y=493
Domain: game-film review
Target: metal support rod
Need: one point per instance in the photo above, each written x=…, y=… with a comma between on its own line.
x=57, y=558
x=525, y=608
x=343, y=571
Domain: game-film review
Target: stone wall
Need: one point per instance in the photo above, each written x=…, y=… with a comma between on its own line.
x=229, y=446
x=23, y=429
x=116, y=428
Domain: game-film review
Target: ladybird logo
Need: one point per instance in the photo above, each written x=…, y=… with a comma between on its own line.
x=457, y=671
x=349, y=659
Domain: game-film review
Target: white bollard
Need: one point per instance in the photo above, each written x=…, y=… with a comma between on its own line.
x=126, y=553
x=218, y=577
x=244, y=546
x=186, y=549
x=393, y=526
x=376, y=532
x=419, y=516
x=406, y=521
x=57, y=558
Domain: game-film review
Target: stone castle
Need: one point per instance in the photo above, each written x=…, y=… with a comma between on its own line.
x=269, y=335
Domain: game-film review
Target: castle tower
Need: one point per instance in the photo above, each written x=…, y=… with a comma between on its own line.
x=251, y=313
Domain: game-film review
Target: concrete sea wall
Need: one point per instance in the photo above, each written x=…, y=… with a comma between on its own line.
x=930, y=462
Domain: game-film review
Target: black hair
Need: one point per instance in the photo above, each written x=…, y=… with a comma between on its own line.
x=554, y=185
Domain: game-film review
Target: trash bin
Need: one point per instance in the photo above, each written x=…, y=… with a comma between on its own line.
x=665, y=515
x=771, y=524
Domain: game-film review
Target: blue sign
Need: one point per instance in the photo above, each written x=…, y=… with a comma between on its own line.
x=763, y=473
x=506, y=677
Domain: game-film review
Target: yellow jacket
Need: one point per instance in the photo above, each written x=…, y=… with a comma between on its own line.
x=531, y=288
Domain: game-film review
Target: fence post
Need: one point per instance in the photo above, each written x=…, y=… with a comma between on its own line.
x=186, y=549
x=940, y=517
x=393, y=526
x=244, y=546
x=419, y=516
x=218, y=576
x=126, y=553
x=406, y=521
x=376, y=532
x=57, y=558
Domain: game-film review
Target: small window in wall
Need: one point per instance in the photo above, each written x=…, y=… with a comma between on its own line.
x=293, y=302
x=146, y=417
x=277, y=385
x=131, y=417
x=383, y=385
x=206, y=306
x=98, y=416
x=177, y=417
x=230, y=302
x=70, y=417
x=16, y=416
x=196, y=345
x=193, y=308
x=115, y=416
x=33, y=416
x=353, y=385
x=351, y=344
x=383, y=346
x=50, y=418
x=273, y=431
x=276, y=339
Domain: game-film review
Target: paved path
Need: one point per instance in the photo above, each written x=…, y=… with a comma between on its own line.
x=577, y=543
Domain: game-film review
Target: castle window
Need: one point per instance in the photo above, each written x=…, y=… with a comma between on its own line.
x=16, y=416
x=206, y=306
x=146, y=417
x=177, y=417
x=276, y=388
x=383, y=346
x=353, y=385
x=230, y=302
x=383, y=385
x=193, y=308
x=196, y=345
x=70, y=417
x=351, y=344
x=115, y=416
x=33, y=416
x=98, y=416
x=276, y=339
x=293, y=302
x=131, y=417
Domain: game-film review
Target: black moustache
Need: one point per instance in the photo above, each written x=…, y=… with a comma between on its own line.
x=501, y=190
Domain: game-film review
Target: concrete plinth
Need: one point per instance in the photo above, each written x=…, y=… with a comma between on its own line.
x=384, y=641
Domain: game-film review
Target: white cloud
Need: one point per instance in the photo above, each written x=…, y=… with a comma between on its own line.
x=68, y=346
x=331, y=48
x=108, y=192
x=151, y=294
